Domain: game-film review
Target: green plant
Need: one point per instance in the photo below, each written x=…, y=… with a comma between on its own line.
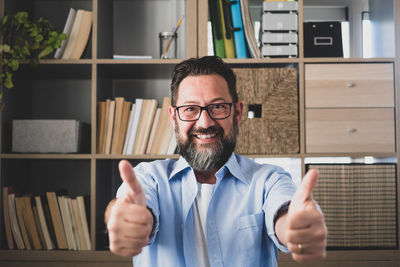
x=23, y=40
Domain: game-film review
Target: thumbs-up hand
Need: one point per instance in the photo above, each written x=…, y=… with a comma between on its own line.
x=307, y=233
x=130, y=222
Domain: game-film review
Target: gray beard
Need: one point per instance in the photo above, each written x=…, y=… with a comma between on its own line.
x=210, y=157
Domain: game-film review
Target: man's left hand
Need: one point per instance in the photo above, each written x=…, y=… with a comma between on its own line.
x=306, y=233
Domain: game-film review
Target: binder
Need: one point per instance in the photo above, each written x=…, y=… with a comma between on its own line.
x=219, y=49
x=226, y=23
x=238, y=32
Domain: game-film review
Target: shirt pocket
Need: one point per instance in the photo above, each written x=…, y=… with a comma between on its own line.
x=249, y=236
x=250, y=221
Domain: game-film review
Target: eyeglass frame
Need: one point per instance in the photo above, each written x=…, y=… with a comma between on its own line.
x=206, y=109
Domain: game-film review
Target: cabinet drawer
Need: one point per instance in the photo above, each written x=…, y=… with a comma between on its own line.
x=349, y=85
x=350, y=130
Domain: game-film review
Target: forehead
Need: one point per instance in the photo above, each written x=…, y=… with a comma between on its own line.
x=203, y=89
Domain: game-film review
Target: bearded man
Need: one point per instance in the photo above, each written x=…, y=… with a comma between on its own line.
x=212, y=207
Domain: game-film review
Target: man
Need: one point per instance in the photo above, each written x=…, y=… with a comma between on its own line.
x=212, y=207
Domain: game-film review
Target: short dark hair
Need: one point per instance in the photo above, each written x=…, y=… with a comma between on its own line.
x=202, y=66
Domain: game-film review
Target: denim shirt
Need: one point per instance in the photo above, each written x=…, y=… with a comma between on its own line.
x=240, y=217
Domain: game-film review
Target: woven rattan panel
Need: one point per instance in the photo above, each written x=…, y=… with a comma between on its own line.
x=277, y=130
x=359, y=203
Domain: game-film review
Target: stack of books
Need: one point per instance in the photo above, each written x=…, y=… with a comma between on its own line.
x=279, y=29
x=134, y=128
x=45, y=222
x=77, y=28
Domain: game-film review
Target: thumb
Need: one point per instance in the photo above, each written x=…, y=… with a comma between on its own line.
x=302, y=202
x=134, y=192
x=304, y=192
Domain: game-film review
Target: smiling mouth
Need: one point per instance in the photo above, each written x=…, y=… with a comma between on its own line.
x=205, y=136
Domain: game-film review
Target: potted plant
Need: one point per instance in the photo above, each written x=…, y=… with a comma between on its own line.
x=24, y=40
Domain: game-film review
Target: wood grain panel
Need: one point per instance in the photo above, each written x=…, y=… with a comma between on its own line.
x=350, y=130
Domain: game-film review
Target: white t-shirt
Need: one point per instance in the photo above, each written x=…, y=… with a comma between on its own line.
x=200, y=216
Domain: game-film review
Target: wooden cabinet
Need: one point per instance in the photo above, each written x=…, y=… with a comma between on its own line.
x=346, y=130
x=349, y=85
x=349, y=108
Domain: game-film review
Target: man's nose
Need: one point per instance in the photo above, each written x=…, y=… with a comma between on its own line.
x=205, y=120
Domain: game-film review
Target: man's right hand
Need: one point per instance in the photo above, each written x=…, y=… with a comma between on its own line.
x=129, y=221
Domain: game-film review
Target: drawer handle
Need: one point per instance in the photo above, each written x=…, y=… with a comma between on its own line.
x=350, y=84
x=352, y=130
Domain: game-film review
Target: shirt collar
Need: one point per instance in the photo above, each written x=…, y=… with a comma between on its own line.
x=231, y=166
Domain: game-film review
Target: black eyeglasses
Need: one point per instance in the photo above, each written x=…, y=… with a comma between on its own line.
x=218, y=111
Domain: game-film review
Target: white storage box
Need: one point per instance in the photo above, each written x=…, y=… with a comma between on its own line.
x=279, y=50
x=279, y=6
x=279, y=22
x=274, y=38
x=49, y=136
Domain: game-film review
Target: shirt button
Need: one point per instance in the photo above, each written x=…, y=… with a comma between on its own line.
x=215, y=258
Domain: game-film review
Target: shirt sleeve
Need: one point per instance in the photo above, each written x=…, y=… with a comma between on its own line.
x=278, y=193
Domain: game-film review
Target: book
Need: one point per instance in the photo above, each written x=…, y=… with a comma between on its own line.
x=49, y=223
x=43, y=224
x=166, y=138
x=123, y=126
x=110, y=113
x=254, y=50
x=238, y=32
x=164, y=130
x=67, y=222
x=119, y=102
x=39, y=229
x=153, y=130
x=67, y=30
x=161, y=127
x=79, y=35
x=19, y=241
x=135, y=123
x=56, y=220
x=218, y=41
x=131, y=57
x=78, y=223
x=19, y=207
x=84, y=222
x=172, y=145
x=6, y=215
x=75, y=227
x=226, y=24
x=129, y=130
x=101, y=123
x=144, y=127
x=30, y=222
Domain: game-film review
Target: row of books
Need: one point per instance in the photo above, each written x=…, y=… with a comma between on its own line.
x=77, y=28
x=232, y=29
x=45, y=222
x=134, y=128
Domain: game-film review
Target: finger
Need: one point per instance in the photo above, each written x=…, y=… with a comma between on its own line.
x=304, y=193
x=128, y=176
x=307, y=235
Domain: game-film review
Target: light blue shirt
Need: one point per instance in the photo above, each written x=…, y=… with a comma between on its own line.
x=240, y=217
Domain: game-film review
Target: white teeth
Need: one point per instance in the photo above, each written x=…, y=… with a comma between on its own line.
x=204, y=136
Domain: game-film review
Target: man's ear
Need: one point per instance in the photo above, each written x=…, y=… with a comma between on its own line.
x=239, y=111
x=172, y=117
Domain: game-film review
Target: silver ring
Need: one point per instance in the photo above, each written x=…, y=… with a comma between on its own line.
x=300, y=248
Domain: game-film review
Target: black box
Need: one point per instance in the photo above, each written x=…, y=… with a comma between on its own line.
x=323, y=39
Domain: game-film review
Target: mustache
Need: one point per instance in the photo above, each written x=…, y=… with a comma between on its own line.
x=209, y=130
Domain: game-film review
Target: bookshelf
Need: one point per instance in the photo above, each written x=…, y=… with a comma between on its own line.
x=70, y=89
